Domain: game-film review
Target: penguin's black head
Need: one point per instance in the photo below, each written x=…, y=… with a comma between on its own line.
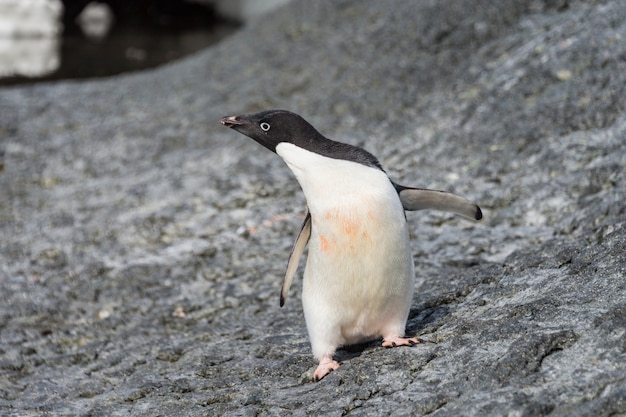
x=269, y=128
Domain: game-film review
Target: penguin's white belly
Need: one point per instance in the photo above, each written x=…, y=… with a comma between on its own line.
x=359, y=278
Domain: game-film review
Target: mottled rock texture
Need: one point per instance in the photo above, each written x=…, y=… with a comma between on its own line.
x=142, y=244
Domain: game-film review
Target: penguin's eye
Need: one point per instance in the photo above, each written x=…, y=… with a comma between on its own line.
x=265, y=126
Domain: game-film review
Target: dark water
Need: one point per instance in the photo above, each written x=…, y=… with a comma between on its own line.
x=127, y=48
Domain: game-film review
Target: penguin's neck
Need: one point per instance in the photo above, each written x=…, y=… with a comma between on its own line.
x=330, y=184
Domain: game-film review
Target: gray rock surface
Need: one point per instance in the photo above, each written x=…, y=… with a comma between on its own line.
x=142, y=244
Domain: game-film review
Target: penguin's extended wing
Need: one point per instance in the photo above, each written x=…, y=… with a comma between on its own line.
x=421, y=198
x=294, y=257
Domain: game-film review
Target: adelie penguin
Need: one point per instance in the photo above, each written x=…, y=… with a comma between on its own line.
x=359, y=277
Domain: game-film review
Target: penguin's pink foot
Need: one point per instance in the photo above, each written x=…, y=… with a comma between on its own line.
x=395, y=341
x=326, y=366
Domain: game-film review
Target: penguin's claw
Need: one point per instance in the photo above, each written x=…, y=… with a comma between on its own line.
x=396, y=341
x=326, y=366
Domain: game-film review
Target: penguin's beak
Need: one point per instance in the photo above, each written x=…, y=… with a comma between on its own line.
x=231, y=121
x=246, y=125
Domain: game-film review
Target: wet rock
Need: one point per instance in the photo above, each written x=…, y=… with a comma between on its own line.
x=143, y=245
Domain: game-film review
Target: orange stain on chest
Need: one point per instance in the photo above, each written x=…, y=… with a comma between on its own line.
x=348, y=233
x=325, y=245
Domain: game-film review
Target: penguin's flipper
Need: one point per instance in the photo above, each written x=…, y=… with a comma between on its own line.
x=421, y=198
x=294, y=257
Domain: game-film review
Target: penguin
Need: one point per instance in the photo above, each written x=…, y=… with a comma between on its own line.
x=359, y=275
